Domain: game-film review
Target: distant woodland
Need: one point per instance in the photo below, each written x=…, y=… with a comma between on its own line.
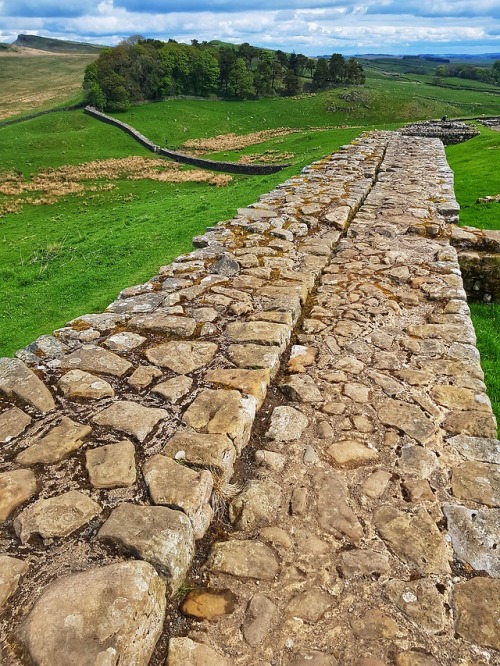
x=141, y=69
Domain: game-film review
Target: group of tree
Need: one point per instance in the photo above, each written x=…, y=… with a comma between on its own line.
x=337, y=70
x=141, y=69
x=471, y=72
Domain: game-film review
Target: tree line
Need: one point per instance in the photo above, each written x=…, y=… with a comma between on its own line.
x=141, y=69
x=471, y=72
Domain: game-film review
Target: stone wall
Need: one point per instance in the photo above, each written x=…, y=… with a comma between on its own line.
x=14, y=121
x=450, y=132
x=319, y=345
x=230, y=167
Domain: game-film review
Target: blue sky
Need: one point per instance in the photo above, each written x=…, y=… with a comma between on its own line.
x=312, y=27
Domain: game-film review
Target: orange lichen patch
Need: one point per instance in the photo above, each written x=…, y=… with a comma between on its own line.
x=268, y=157
x=51, y=184
x=234, y=142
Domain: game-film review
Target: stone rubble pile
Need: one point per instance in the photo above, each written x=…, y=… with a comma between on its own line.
x=320, y=340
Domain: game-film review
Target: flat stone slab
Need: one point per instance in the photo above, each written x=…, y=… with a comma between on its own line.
x=16, y=487
x=185, y=652
x=250, y=382
x=254, y=356
x=223, y=412
x=62, y=440
x=477, y=482
x=243, y=559
x=173, y=484
x=11, y=570
x=159, y=322
x=476, y=605
x=156, y=534
x=102, y=616
x=414, y=538
x=483, y=449
x=143, y=376
x=124, y=341
x=81, y=384
x=257, y=505
x=301, y=388
x=475, y=534
x=287, y=424
x=131, y=418
x=258, y=620
x=18, y=381
x=363, y=563
x=352, y=453
x=207, y=605
x=12, y=423
x=420, y=601
x=182, y=357
x=112, y=465
x=92, y=358
x=174, y=389
x=335, y=516
x=473, y=423
x=259, y=333
x=58, y=516
x=411, y=419
x=207, y=450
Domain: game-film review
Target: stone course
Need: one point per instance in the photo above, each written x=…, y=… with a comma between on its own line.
x=363, y=526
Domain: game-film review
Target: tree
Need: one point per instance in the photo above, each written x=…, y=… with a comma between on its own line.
x=292, y=83
x=240, y=80
x=263, y=77
x=496, y=71
x=311, y=66
x=204, y=72
x=321, y=75
x=354, y=72
x=227, y=60
x=337, y=67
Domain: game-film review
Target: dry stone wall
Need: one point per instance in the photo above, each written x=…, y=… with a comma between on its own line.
x=183, y=158
x=364, y=528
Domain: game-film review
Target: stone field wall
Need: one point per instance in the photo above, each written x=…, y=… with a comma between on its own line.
x=183, y=158
x=310, y=373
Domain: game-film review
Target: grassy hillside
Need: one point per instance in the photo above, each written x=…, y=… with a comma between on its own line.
x=36, y=81
x=56, y=45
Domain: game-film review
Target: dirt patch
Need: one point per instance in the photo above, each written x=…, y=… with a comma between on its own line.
x=267, y=157
x=233, y=141
x=46, y=186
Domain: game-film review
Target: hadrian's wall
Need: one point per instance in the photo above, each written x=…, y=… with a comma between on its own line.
x=318, y=351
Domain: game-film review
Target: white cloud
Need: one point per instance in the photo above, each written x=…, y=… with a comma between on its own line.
x=313, y=26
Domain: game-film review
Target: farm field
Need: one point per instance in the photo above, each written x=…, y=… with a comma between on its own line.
x=96, y=229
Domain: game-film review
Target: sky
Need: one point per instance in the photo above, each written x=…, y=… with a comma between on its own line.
x=312, y=27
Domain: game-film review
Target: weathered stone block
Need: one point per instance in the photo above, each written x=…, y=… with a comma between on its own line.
x=102, y=616
x=156, y=534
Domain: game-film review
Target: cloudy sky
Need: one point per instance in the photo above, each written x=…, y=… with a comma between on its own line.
x=312, y=27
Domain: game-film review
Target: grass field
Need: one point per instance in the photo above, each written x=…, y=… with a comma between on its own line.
x=37, y=80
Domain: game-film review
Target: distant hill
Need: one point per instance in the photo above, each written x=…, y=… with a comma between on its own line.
x=55, y=45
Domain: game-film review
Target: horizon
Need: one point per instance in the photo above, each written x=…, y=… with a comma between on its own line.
x=311, y=27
